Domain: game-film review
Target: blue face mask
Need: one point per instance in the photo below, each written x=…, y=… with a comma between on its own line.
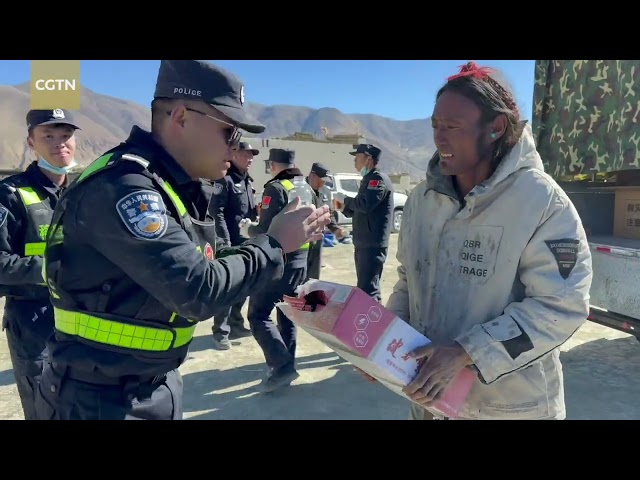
x=364, y=171
x=42, y=163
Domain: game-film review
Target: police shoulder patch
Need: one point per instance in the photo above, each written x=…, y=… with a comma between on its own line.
x=144, y=214
x=4, y=213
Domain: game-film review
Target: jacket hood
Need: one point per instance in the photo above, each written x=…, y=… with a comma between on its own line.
x=522, y=155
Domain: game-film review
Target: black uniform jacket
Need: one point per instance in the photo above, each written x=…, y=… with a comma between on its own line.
x=233, y=200
x=371, y=211
x=117, y=268
x=274, y=199
x=21, y=275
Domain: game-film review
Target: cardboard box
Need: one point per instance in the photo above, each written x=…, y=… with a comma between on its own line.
x=369, y=336
x=626, y=220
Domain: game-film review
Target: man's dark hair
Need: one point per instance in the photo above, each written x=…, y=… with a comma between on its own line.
x=159, y=109
x=476, y=84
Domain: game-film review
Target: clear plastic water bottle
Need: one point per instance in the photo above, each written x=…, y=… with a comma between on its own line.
x=301, y=189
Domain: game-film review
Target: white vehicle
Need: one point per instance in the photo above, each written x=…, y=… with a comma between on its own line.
x=349, y=183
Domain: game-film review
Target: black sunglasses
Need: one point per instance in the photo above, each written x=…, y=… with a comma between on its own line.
x=234, y=133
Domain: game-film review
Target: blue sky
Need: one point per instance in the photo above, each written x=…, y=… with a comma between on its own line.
x=398, y=89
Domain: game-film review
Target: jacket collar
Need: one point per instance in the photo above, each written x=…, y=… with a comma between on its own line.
x=160, y=157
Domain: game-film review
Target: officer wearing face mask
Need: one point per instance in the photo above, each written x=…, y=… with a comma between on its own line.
x=371, y=210
x=27, y=201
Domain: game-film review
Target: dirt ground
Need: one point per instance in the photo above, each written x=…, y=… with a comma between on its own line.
x=599, y=365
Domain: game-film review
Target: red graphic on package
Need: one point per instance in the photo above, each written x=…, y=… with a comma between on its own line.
x=356, y=329
x=393, y=347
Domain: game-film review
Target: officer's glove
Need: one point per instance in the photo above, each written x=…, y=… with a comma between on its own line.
x=244, y=225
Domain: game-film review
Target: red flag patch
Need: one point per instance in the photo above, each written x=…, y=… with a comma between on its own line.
x=265, y=202
x=373, y=184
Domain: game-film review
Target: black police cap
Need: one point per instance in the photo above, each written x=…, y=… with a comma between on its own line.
x=320, y=170
x=247, y=147
x=369, y=149
x=56, y=116
x=203, y=81
x=281, y=155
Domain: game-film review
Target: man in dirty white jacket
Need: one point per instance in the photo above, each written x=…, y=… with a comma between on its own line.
x=495, y=267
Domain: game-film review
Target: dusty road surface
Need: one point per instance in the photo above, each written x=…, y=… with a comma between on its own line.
x=601, y=374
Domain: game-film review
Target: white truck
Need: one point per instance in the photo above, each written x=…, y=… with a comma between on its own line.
x=349, y=183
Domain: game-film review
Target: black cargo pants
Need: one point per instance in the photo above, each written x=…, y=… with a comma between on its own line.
x=27, y=325
x=369, y=265
x=232, y=318
x=314, y=260
x=278, y=343
x=65, y=394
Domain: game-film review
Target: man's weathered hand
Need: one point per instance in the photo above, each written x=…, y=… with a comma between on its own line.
x=440, y=366
x=295, y=225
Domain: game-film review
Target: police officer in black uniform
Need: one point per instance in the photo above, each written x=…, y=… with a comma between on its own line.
x=129, y=258
x=372, y=212
x=27, y=201
x=316, y=180
x=278, y=343
x=233, y=200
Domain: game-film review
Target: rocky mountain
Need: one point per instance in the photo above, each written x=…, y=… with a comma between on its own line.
x=106, y=121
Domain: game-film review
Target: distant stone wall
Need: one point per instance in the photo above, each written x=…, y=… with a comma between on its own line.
x=401, y=182
x=352, y=139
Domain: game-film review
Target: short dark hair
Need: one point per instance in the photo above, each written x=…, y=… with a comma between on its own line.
x=478, y=85
x=159, y=108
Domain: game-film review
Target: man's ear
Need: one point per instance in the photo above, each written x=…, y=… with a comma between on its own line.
x=178, y=114
x=498, y=127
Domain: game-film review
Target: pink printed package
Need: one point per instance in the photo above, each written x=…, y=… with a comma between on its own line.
x=369, y=336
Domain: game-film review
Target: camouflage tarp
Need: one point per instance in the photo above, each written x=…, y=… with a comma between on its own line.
x=586, y=115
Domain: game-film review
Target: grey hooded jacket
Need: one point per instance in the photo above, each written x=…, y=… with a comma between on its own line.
x=506, y=275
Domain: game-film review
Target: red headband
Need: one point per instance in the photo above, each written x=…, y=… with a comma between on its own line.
x=472, y=70
x=482, y=73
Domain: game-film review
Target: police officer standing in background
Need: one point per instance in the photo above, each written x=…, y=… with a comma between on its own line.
x=317, y=179
x=278, y=343
x=371, y=210
x=233, y=200
x=27, y=201
x=129, y=261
